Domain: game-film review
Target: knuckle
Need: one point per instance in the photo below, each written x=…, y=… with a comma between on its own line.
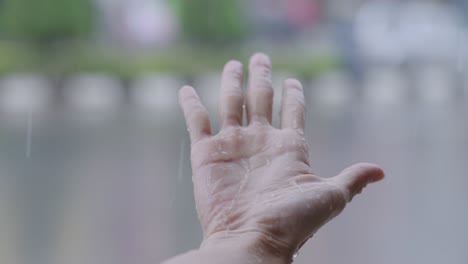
x=234, y=73
x=264, y=72
x=231, y=119
x=192, y=100
x=231, y=137
x=264, y=88
x=231, y=133
x=338, y=197
x=235, y=93
x=198, y=111
x=267, y=91
x=296, y=104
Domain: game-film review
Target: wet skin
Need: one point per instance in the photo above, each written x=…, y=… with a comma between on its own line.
x=254, y=187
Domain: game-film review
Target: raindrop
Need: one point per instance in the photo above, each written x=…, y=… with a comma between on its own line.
x=301, y=190
x=295, y=125
x=296, y=121
x=462, y=53
x=171, y=201
x=236, y=197
x=180, y=174
x=295, y=256
x=297, y=186
x=219, y=147
x=29, y=134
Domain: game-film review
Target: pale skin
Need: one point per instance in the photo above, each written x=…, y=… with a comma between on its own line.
x=258, y=199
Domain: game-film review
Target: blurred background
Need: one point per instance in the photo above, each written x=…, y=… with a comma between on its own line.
x=94, y=154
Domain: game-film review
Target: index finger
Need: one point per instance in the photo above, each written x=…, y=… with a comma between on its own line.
x=196, y=115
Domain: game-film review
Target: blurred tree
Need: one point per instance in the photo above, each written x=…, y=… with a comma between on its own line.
x=213, y=21
x=45, y=21
x=175, y=4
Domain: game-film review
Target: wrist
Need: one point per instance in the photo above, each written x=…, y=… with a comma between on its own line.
x=257, y=245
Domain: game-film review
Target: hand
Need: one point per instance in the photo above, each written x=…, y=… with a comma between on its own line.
x=255, y=183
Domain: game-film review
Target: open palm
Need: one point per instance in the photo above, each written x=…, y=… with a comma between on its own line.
x=257, y=178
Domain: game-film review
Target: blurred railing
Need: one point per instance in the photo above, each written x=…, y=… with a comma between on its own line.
x=94, y=93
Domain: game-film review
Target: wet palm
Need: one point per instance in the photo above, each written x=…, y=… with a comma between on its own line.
x=257, y=178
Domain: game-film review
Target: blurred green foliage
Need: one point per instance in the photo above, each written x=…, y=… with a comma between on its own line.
x=184, y=60
x=45, y=21
x=44, y=36
x=213, y=21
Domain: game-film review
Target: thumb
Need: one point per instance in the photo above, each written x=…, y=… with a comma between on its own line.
x=353, y=179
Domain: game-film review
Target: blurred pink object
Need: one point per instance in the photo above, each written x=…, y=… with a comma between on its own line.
x=302, y=12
